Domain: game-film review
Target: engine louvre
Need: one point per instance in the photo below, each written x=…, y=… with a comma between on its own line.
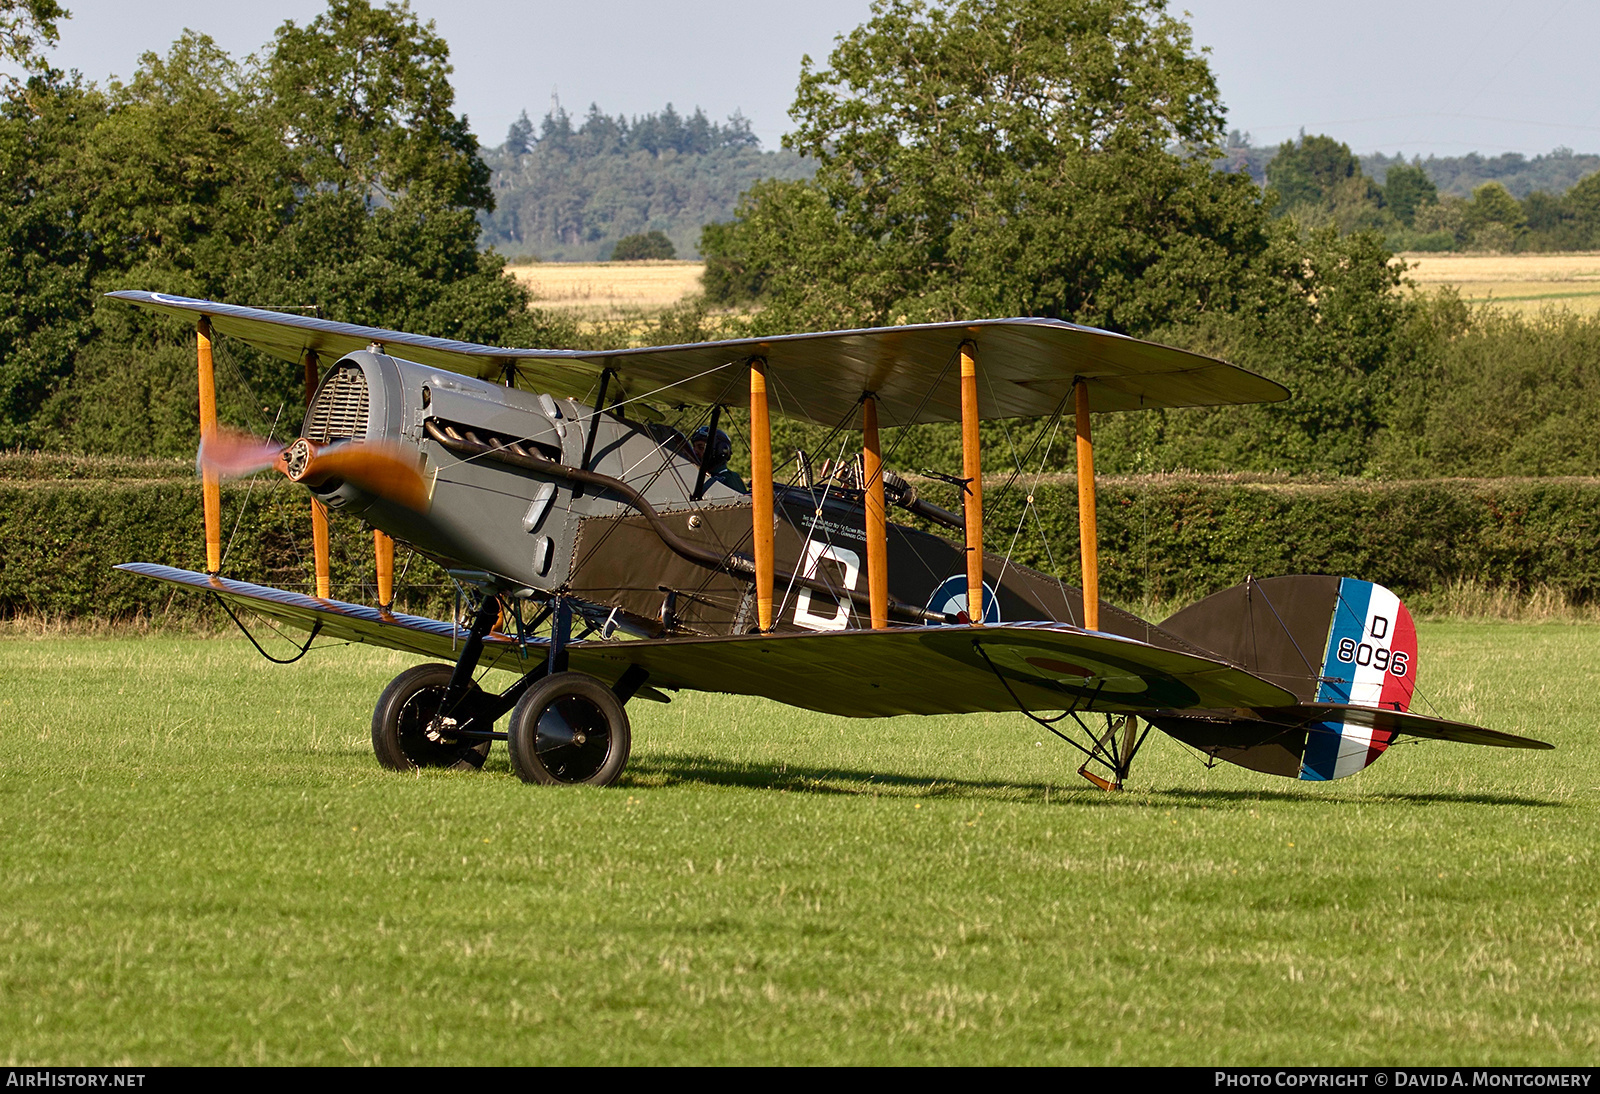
x=340, y=410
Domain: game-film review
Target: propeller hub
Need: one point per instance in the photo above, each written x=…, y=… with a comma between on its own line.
x=297, y=459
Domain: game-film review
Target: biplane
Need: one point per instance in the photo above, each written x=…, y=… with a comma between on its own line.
x=603, y=559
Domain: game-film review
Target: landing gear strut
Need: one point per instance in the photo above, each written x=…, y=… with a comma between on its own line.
x=566, y=727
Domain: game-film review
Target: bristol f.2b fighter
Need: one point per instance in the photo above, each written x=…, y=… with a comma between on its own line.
x=607, y=558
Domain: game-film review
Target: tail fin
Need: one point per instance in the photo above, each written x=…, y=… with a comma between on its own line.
x=1328, y=640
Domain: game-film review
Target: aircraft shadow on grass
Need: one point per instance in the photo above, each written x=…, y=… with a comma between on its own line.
x=655, y=772
x=671, y=770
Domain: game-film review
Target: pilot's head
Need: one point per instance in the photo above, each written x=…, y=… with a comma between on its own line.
x=721, y=448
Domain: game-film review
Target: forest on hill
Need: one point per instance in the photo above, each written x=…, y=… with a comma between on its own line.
x=570, y=191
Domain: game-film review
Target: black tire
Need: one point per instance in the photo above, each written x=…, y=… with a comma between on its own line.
x=569, y=729
x=400, y=723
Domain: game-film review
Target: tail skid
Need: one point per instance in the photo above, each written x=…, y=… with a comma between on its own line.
x=1114, y=754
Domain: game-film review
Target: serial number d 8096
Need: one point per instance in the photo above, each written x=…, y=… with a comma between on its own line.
x=1352, y=652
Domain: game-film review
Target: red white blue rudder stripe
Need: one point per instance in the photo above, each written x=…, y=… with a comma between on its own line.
x=1370, y=661
x=1371, y=658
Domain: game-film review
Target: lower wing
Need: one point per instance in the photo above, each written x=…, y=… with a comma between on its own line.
x=337, y=619
x=910, y=670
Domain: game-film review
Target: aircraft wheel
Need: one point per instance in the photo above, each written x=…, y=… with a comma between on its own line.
x=401, y=720
x=569, y=728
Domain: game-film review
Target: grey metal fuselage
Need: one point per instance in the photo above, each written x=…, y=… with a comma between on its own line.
x=485, y=515
x=525, y=523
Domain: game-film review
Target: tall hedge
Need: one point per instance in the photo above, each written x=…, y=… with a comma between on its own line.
x=1163, y=538
x=61, y=534
x=1173, y=538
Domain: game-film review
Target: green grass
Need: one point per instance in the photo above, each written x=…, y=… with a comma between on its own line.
x=202, y=863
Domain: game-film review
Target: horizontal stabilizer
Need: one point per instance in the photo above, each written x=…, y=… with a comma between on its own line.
x=1317, y=741
x=1416, y=725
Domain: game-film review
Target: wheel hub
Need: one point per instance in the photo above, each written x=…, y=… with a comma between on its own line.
x=441, y=728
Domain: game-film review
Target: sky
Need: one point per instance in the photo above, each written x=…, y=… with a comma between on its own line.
x=1421, y=77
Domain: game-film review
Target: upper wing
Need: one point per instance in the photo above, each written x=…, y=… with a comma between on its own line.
x=1027, y=366
x=913, y=670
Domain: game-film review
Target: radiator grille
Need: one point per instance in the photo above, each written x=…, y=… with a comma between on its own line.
x=340, y=411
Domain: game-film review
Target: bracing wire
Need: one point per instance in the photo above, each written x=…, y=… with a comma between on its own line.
x=244, y=506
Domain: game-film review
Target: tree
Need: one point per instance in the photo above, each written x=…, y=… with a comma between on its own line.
x=1584, y=202
x=1494, y=218
x=51, y=261
x=363, y=95
x=26, y=26
x=519, y=138
x=1320, y=182
x=982, y=157
x=1406, y=188
x=187, y=172
x=1306, y=172
x=645, y=245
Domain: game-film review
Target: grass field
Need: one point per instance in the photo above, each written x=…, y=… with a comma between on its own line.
x=1521, y=282
x=203, y=864
x=602, y=289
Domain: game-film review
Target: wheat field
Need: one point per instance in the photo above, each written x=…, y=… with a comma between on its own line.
x=601, y=289
x=1519, y=282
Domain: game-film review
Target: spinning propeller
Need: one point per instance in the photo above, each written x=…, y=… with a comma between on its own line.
x=388, y=470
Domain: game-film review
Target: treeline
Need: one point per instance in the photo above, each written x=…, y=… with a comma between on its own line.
x=571, y=192
x=1554, y=172
x=600, y=134
x=1318, y=181
x=1468, y=203
x=242, y=181
x=570, y=189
